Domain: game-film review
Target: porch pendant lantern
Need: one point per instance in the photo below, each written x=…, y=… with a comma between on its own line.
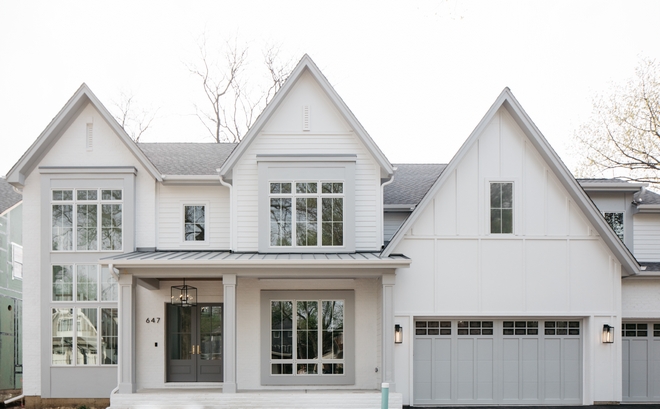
x=608, y=334
x=184, y=295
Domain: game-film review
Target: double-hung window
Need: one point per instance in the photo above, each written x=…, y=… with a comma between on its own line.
x=306, y=214
x=84, y=316
x=501, y=207
x=86, y=220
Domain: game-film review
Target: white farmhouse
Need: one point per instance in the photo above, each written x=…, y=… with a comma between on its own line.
x=301, y=260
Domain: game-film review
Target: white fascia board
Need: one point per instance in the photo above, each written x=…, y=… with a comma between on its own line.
x=648, y=208
x=306, y=63
x=612, y=186
x=191, y=179
x=59, y=124
x=261, y=264
x=509, y=102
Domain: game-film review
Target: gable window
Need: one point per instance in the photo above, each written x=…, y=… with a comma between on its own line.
x=308, y=337
x=319, y=210
x=501, y=207
x=194, y=223
x=82, y=211
x=615, y=220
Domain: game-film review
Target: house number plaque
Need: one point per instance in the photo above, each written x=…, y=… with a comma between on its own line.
x=153, y=320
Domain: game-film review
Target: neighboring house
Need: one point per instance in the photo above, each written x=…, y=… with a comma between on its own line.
x=301, y=260
x=11, y=275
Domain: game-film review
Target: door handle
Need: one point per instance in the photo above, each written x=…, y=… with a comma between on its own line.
x=197, y=349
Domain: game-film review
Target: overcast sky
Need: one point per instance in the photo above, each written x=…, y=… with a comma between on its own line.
x=419, y=75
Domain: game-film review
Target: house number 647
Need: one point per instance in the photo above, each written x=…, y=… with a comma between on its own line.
x=153, y=320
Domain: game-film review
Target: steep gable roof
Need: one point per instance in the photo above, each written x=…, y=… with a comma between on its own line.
x=307, y=65
x=58, y=126
x=410, y=184
x=8, y=197
x=507, y=101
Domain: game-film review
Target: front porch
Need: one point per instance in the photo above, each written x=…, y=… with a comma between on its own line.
x=213, y=398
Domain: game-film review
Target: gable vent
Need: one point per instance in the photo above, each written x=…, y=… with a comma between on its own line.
x=305, y=118
x=89, y=136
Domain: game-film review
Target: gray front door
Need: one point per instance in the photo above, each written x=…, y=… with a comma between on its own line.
x=194, y=343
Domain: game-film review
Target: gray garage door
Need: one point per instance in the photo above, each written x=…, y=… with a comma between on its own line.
x=641, y=362
x=497, y=362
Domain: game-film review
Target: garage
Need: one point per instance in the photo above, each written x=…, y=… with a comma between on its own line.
x=497, y=362
x=641, y=362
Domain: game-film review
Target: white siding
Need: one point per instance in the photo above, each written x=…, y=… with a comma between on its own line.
x=171, y=200
x=647, y=236
x=108, y=150
x=391, y=223
x=329, y=134
x=553, y=265
x=641, y=298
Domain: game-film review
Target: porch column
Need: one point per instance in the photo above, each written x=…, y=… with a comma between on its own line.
x=387, y=281
x=126, y=359
x=229, y=333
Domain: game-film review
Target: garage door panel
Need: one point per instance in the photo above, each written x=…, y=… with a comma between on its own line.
x=626, y=367
x=502, y=362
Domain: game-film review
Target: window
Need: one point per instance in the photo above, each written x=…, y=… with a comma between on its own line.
x=17, y=261
x=84, y=324
x=615, y=220
x=308, y=337
x=82, y=211
x=501, y=207
x=194, y=223
x=76, y=336
x=319, y=207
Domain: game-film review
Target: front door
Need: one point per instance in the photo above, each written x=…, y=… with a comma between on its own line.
x=194, y=343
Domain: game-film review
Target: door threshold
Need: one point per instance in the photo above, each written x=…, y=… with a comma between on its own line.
x=194, y=385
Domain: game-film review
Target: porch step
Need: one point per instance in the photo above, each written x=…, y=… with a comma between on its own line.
x=214, y=399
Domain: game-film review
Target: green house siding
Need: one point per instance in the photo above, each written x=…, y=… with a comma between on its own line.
x=10, y=302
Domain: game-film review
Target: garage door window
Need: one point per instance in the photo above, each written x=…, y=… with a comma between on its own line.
x=520, y=328
x=562, y=328
x=433, y=328
x=475, y=327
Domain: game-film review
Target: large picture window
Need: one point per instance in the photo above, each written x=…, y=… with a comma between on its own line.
x=306, y=214
x=76, y=225
x=310, y=337
x=84, y=315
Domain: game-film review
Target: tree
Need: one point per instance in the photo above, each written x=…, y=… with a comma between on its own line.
x=233, y=105
x=132, y=118
x=622, y=137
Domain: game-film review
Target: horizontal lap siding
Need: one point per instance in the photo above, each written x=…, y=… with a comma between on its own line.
x=647, y=237
x=170, y=215
x=367, y=188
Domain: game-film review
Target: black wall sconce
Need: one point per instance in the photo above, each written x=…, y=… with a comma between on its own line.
x=398, y=334
x=608, y=334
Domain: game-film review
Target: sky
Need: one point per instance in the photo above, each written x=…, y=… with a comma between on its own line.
x=418, y=75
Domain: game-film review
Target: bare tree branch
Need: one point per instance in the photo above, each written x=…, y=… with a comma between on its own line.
x=133, y=119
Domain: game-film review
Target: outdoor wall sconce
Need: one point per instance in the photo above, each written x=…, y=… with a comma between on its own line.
x=184, y=295
x=398, y=334
x=608, y=334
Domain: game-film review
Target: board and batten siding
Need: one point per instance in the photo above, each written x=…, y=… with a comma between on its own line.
x=554, y=264
x=647, y=237
x=329, y=134
x=171, y=200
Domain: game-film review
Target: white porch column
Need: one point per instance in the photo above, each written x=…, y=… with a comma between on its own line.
x=229, y=333
x=126, y=361
x=387, y=281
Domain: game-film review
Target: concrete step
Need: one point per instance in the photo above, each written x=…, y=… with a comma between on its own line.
x=204, y=399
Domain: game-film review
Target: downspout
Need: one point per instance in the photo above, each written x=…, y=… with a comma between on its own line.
x=232, y=221
x=382, y=211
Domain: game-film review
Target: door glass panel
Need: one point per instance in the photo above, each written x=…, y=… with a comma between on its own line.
x=179, y=320
x=211, y=333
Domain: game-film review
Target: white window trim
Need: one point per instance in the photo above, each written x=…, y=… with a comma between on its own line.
x=74, y=267
x=207, y=211
x=348, y=378
x=517, y=207
x=99, y=217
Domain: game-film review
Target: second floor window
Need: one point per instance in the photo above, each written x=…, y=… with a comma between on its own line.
x=306, y=214
x=195, y=223
x=615, y=220
x=501, y=207
x=86, y=220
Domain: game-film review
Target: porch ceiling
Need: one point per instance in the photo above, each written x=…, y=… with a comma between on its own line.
x=227, y=259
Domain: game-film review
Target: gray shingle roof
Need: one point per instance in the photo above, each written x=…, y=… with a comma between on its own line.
x=411, y=183
x=601, y=180
x=647, y=197
x=187, y=158
x=8, y=197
